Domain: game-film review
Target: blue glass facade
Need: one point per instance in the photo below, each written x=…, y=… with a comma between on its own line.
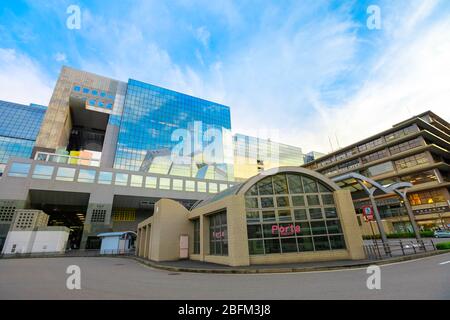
x=19, y=127
x=163, y=131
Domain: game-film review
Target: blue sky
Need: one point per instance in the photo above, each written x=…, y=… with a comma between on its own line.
x=309, y=73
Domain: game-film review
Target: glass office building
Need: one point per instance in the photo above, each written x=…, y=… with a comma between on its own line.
x=253, y=155
x=19, y=126
x=167, y=132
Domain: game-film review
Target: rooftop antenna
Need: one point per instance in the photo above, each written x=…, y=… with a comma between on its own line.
x=331, y=145
x=337, y=140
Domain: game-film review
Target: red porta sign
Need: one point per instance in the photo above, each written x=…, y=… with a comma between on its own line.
x=368, y=212
x=285, y=231
x=219, y=235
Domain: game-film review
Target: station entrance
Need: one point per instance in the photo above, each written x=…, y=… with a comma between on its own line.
x=66, y=209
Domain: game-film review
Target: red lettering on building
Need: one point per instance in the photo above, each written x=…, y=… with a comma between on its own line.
x=285, y=231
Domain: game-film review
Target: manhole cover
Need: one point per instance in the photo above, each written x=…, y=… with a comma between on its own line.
x=173, y=274
x=119, y=264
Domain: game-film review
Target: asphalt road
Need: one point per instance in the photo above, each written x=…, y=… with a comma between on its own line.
x=120, y=278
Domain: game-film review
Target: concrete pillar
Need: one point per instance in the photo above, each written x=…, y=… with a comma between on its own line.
x=148, y=231
x=349, y=224
x=98, y=215
x=204, y=237
x=138, y=240
x=237, y=232
x=143, y=242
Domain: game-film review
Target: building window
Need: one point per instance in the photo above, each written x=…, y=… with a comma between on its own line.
x=105, y=177
x=201, y=186
x=378, y=169
x=405, y=146
x=190, y=185
x=218, y=237
x=421, y=177
x=212, y=187
x=87, y=176
x=177, y=184
x=412, y=161
x=426, y=197
x=164, y=183
x=120, y=215
x=65, y=174
x=150, y=182
x=19, y=170
x=136, y=181
x=375, y=156
x=371, y=144
x=400, y=133
x=121, y=179
x=196, y=236
x=304, y=219
x=42, y=172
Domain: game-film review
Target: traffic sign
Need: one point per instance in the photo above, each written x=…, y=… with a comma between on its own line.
x=368, y=212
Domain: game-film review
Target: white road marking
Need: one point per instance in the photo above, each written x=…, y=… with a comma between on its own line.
x=445, y=262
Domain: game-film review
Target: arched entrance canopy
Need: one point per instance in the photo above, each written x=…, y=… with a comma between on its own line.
x=370, y=186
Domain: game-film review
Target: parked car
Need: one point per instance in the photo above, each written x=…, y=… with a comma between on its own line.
x=442, y=234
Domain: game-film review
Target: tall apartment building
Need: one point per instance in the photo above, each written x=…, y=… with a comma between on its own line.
x=19, y=127
x=415, y=150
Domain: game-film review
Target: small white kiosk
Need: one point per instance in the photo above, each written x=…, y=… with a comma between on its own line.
x=117, y=242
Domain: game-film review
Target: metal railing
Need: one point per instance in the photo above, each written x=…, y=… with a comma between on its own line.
x=394, y=248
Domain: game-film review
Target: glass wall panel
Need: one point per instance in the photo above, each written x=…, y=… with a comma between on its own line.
x=19, y=170
x=150, y=130
x=105, y=177
x=65, y=174
x=218, y=234
x=43, y=172
x=151, y=182
x=136, y=181
x=177, y=184
x=121, y=179
x=164, y=183
x=86, y=176
x=305, y=218
x=190, y=185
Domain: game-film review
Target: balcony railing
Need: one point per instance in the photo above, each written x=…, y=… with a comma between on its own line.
x=66, y=159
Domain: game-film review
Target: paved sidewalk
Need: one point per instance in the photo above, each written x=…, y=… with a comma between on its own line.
x=198, y=266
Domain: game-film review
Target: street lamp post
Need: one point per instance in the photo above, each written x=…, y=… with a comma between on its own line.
x=412, y=219
x=376, y=213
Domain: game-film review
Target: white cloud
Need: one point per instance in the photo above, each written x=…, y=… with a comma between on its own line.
x=413, y=76
x=61, y=57
x=202, y=34
x=22, y=80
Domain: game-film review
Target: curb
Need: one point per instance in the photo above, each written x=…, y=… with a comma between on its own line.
x=287, y=270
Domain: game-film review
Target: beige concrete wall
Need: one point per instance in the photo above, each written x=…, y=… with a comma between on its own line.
x=349, y=223
x=56, y=126
x=236, y=231
x=161, y=232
